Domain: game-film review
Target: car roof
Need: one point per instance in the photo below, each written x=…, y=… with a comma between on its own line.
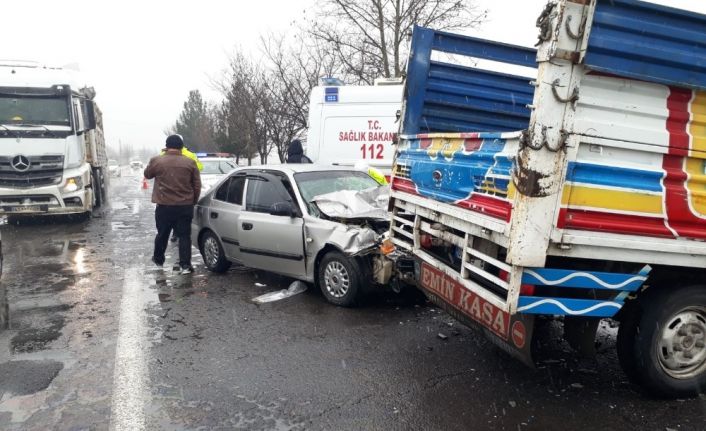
x=293, y=168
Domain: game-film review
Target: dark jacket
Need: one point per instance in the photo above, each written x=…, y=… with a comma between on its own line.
x=177, y=179
x=295, y=153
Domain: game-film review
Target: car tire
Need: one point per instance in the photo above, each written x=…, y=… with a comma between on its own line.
x=340, y=279
x=212, y=253
x=668, y=345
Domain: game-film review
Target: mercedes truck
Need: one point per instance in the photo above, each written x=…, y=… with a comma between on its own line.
x=52, y=149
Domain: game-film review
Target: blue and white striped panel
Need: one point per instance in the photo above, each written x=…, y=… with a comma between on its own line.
x=567, y=306
x=585, y=279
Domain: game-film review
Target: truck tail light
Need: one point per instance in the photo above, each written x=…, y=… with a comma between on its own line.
x=525, y=289
x=425, y=240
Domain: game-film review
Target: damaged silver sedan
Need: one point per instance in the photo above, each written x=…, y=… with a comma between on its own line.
x=319, y=224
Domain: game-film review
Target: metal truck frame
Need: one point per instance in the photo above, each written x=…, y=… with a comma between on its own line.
x=594, y=207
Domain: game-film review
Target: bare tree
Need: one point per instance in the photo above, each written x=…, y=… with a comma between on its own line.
x=294, y=66
x=368, y=37
x=245, y=93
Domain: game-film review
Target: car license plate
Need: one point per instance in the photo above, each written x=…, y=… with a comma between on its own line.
x=26, y=209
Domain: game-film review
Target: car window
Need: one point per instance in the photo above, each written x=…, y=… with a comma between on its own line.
x=235, y=190
x=222, y=192
x=263, y=194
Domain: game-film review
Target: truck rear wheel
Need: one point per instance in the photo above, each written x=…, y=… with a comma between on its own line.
x=668, y=343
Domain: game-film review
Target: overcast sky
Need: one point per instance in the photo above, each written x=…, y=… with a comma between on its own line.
x=144, y=56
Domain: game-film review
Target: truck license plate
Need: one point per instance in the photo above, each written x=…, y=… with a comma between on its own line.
x=26, y=209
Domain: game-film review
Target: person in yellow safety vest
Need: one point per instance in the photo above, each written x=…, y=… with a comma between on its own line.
x=192, y=156
x=374, y=173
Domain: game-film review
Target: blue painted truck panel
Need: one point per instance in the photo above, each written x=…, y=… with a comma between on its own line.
x=443, y=97
x=648, y=42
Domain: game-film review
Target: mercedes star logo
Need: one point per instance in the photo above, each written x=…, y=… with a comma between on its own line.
x=20, y=163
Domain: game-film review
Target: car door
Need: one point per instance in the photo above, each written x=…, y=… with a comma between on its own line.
x=270, y=242
x=224, y=213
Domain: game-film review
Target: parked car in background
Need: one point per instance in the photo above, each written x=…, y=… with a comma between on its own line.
x=215, y=167
x=318, y=224
x=114, y=168
x=136, y=165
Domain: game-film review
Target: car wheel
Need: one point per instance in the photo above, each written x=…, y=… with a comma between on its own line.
x=340, y=279
x=670, y=342
x=212, y=253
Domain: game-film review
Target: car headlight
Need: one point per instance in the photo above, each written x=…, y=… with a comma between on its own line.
x=72, y=184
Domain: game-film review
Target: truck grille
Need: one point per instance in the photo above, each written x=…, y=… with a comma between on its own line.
x=42, y=171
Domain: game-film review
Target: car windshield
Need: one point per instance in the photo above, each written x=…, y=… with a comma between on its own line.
x=217, y=166
x=34, y=110
x=312, y=184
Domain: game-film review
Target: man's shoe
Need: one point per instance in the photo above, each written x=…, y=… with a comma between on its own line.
x=174, y=238
x=186, y=270
x=159, y=264
x=176, y=267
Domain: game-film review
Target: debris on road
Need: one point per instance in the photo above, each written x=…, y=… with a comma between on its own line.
x=293, y=289
x=442, y=336
x=260, y=285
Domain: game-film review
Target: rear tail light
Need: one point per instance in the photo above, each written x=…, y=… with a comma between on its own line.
x=426, y=240
x=525, y=289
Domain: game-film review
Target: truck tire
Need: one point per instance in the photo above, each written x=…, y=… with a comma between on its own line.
x=624, y=344
x=97, y=189
x=340, y=279
x=669, y=348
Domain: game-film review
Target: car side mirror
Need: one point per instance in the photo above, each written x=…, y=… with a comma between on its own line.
x=282, y=209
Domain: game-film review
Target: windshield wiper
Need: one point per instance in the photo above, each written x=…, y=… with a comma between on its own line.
x=14, y=132
x=51, y=132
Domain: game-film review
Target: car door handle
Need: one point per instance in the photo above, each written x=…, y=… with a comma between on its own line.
x=214, y=214
x=247, y=226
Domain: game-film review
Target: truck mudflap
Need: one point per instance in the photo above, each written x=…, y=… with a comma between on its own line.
x=512, y=333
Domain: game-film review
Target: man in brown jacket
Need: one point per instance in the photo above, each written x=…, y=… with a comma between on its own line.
x=177, y=187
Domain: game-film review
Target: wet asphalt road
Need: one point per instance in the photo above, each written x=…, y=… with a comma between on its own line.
x=100, y=340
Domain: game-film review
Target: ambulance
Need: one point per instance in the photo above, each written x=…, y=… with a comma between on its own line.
x=353, y=124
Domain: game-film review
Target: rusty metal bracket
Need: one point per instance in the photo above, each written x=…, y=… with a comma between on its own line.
x=570, y=32
x=571, y=99
x=526, y=141
x=544, y=23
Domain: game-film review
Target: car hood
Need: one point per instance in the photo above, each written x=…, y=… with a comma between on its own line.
x=347, y=205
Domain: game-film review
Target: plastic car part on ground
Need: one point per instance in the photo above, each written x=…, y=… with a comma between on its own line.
x=350, y=204
x=295, y=288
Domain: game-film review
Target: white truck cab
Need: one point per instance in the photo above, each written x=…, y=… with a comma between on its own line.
x=349, y=124
x=52, y=150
